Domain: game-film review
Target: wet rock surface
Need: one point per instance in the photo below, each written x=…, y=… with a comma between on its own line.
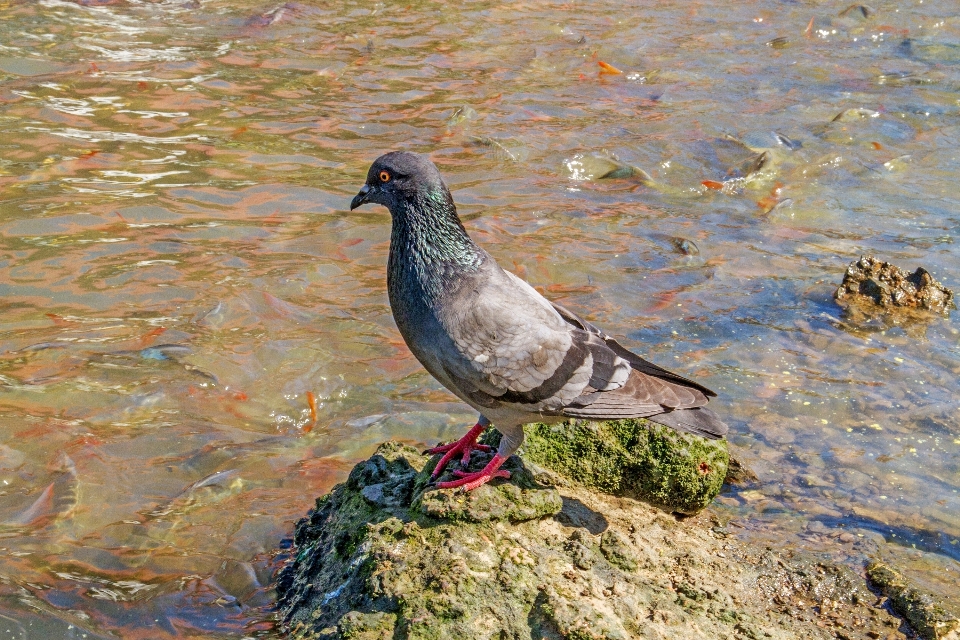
x=871, y=286
x=379, y=559
x=925, y=612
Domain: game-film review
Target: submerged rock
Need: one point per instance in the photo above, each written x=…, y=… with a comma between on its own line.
x=635, y=458
x=922, y=610
x=376, y=559
x=872, y=285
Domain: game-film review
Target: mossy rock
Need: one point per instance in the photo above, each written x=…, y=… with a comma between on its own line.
x=678, y=472
x=922, y=610
x=374, y=561
x=376, y=625
x=349, y=578
x=520, y=499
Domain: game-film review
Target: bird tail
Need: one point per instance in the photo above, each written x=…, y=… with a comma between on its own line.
x=699, y=421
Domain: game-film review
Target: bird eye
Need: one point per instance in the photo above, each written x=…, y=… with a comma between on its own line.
x=384, y=176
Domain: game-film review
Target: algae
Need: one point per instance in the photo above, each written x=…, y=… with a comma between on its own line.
x=387, y=556
x=923, y=611
x=675, y=471
x=372, y=557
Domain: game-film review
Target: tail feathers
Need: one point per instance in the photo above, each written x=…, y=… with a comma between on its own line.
x=699, y=421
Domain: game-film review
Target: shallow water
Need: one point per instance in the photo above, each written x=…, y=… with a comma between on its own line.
x=196, y=341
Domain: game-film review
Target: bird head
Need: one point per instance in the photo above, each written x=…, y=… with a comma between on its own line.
x=400, y=179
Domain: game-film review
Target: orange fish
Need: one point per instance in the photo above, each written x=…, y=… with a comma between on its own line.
x=608, y=69
x=312, y=403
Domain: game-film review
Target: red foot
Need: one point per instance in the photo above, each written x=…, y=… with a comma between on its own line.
x=466, y=444
x=470, y=481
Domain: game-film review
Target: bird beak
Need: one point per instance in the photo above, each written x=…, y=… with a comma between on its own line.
x=360, y=198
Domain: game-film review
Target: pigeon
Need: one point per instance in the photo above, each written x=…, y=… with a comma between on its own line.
x=495, y=342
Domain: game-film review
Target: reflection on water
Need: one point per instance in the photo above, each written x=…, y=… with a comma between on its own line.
x=195, y=339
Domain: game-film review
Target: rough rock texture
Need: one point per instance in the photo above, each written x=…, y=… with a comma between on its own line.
x=924, y=612
x=633, y=458
x=567, y=563
x=878, y=285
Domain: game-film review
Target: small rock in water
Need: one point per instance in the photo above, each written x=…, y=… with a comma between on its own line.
x=778, y=43
x=739, y=474
x=461, y=115
x=787, y=142
x=885, y=286
x=273, y=16
x=925, y=612
x=503, y=148
x=755, y=164
x=732, y=158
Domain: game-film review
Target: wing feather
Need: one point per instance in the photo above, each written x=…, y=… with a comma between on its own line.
x=638, y=363
x=515, y=348
x=512, y=346
x=651, y=392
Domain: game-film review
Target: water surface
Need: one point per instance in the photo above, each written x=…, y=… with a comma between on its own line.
x=195, y=339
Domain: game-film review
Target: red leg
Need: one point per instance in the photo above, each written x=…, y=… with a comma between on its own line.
x=470, y=481
x=464, y=445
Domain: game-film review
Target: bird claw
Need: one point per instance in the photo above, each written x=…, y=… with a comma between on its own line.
x=463, y=474
x=464, y=445
x=470, y=481
x=440, y=448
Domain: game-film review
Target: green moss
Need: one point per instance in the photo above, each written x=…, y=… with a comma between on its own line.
x=516, y=501
x=924, y=613
x=338, y=540
x=675, y=471
x=367, y=626
x=727, y=615
x=418, y=577
x=616, y=549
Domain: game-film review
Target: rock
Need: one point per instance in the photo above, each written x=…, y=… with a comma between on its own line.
x=811, y=590
x=679, y=472
x=616, y=549
x=523, y=498
x=860, y=11
x=922, y=610
x=874, y=286
x=739, y=474
x=367, y=626
x=382, y=557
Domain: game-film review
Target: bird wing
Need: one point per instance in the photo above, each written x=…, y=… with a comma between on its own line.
x=681, y=401
x=638, y=363
x=513, y=347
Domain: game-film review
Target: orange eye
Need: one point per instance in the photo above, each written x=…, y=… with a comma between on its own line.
x=384, y=176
